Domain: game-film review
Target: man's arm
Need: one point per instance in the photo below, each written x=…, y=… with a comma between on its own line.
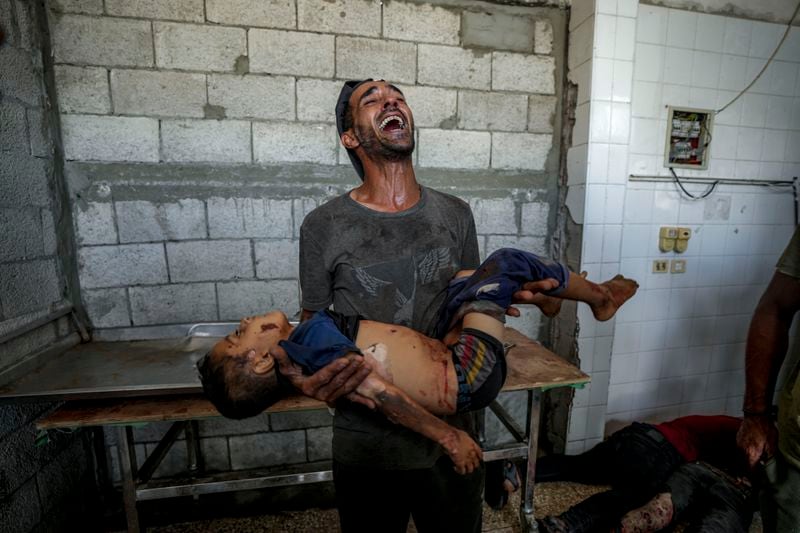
x=767, y=341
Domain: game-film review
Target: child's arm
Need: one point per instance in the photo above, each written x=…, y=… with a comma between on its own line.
x=401, y=409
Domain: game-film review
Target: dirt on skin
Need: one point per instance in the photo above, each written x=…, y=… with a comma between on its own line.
x=618, y=290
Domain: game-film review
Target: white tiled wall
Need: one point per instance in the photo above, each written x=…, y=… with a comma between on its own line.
x=678, y=346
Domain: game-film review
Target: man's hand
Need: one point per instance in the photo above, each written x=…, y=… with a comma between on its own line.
x=529, y=294
x=462, y=450
x=757, y=438
x=328, y=384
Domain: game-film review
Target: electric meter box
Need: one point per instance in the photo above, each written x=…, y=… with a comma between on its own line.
x=688, y=137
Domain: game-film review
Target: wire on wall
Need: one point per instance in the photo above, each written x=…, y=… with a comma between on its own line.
x=687, y=193
x=764, y=68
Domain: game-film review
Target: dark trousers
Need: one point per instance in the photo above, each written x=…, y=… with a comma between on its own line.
x=439, y=499
x=708, y=500
x=635, y=461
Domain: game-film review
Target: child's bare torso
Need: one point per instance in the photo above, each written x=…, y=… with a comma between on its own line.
x=420, y=366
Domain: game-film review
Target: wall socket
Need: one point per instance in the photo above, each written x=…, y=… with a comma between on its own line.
x=677, y=266
x=660, y=266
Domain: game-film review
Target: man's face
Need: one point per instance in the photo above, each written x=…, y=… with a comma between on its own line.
x=259, y=334
x=382, y=121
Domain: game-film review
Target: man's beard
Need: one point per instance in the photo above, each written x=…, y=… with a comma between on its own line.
x=379, y=149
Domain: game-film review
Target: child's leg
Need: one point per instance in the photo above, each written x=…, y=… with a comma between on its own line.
x=604, y=298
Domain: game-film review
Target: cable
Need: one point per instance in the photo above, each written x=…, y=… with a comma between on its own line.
x=764, y=68
x=687, y=193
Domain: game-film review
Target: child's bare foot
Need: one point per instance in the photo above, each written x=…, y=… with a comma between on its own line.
x=617, y=291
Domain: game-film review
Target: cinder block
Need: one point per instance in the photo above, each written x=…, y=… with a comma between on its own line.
x=432, y=107
x=288, y=142
x=525, y=151
x=454, y=149
x=270, y=97
x=543, y=37
x=170, y=94
x=93, y=138
x=454, y=67
x=173, y=304
x=25, y=25
x=115, y=266
x=249, y=217
x=209, y=260
x=277, y=259
x=215, y=427
x=225, y=141
x=102, y=41
x=50, y=242
x=267, y=449
x=520, y=72
x=95, y=223
x=319, y=442
x=82, y=89
x=195, y=47
x=541, y=113
x=359, y=58
x=497, y=31
x=252, y=13
x=300, y=419
x=248, y=298
x=39, y=133
x=493, y=216
x=354, y=17
x=22, y=238
x=20, y=78
x=24, y=181
x=91, y=7
x=492, y=111
x=107, y=308
x=535, y=245
x=28, y=286
x=420, y=22
x=316, y=99
x=215, y=454
x=302, y=207
x=13, y=127
x=291, y=52
x=535, y=217
x=188, y=10
x=141, y=221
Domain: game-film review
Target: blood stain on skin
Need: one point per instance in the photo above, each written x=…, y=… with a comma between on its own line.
x=266, y=327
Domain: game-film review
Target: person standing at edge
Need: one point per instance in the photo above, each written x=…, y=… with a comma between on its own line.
x=767, y=342
x=387, y=250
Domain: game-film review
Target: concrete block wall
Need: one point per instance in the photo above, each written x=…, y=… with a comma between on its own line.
x=198, y=134
x=49, y=485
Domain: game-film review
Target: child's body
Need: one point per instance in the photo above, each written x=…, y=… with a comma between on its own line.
x=414, y=376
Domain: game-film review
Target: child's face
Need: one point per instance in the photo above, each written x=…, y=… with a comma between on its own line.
x=256, y=336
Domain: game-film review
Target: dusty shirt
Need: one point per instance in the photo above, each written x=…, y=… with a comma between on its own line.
x=389, y=267
x=789, y=402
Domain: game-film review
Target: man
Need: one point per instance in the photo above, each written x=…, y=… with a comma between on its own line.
x=636, y=461
x=758, y=438
x=387, y=251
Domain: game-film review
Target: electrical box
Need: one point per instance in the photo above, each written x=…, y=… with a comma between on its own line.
x=688, y=137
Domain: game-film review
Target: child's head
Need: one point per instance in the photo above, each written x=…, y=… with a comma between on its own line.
x=239, y=374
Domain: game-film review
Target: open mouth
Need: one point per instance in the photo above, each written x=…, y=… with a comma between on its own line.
x=392, y=123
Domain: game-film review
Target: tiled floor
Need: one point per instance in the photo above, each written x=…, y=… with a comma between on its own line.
x=551, y=498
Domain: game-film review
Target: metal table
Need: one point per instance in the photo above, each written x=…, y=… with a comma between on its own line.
x=122, y=383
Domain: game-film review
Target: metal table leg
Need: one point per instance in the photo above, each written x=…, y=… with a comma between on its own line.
x=526, y=507
x=128, y=469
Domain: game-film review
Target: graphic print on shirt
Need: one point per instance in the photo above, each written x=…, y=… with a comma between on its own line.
x=396, y=281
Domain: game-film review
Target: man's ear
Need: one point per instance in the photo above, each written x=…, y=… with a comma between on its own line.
x=260, y=365
x=349, y=140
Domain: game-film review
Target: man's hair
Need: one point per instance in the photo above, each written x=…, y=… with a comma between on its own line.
x=234, y=389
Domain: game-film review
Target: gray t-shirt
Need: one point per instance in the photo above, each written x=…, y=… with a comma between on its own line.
x=390, y=267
